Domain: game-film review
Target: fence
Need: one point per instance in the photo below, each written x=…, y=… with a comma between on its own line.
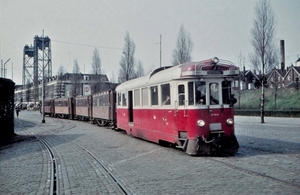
x=277, y=113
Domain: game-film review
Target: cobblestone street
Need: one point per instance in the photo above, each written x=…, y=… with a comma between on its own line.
x=267, y=161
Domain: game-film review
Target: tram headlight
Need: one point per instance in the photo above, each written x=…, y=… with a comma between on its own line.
x=229, y=121
x=215, y=60
x=200, y=123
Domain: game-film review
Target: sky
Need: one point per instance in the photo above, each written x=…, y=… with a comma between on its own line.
x=219, y=28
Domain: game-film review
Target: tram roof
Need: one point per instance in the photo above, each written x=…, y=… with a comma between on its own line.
x=200, y=69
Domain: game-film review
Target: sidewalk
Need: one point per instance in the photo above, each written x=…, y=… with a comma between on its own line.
x=24, y=164
x=282, y=121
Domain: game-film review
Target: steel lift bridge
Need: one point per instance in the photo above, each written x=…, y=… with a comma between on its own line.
x=34, y=58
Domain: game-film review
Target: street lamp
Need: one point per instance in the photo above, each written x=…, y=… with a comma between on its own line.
x=4, y=67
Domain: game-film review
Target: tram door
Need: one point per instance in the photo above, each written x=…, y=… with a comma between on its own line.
x=180, y=107
x=130, y=107
x=181, y=95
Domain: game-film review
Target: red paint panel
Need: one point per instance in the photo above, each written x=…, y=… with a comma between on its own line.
x=82, y=111
x=164, y=124
x=62, y=110
x=101, y=112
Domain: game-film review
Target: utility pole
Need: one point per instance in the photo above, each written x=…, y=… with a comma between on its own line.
x=3, y=69
x=43, y=82
x=160, y=52
x=160, y=43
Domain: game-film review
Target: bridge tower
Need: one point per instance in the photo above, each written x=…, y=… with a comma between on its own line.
x=28, y=64
x=42, y=56
x=34, y=57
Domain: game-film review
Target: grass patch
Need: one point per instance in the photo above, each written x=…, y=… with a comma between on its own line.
x=286, y=99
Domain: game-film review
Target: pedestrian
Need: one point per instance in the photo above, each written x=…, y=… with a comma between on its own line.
x=17, y=112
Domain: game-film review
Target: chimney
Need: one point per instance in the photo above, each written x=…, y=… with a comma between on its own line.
x=282, y=56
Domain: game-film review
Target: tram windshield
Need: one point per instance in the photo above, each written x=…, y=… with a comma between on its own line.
x=208, y=93
x=214, y=93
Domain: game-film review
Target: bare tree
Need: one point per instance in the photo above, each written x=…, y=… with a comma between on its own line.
x=96, y=64
x=113, y=77
x=263, y=43
x=75, y=79
x=76, y=68
x=184, y=47
x=96, y=69
x=60, y=86
x=139, y=70
x=242, y=74
x=126, y=72
x=61, y=70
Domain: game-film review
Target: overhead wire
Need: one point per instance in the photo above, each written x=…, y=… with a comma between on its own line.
x=87, y=45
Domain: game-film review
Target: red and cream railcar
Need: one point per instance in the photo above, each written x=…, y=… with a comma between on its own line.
x=49, y=108
x=189, y=105
x=64, y=108
x=103, y=108
x=82, y=107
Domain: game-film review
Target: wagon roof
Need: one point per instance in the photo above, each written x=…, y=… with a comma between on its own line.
x=61, y=99
x=182, y=71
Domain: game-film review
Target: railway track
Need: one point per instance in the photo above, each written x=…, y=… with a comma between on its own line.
x=252, y=150
x=100, y=167
x=253, y=172
x=53, y=174
x=146, y=169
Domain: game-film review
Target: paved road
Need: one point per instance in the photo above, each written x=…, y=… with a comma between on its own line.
x=267, y=162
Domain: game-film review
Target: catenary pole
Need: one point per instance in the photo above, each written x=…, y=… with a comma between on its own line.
x=43, y=82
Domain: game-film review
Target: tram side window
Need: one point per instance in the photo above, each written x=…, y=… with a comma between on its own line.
x=200, y=92
x=137, y=97
x=165, y=94
x=214, y=93
x=228, y=97
x=95, y=101
x=124, y=99
x=98, y=102
x=154, y=95
x=191, y=93
x=105, y=99
x=181, y=95
x=226, y=86
x=145, y=97
x=101, y=100
x=119, y=99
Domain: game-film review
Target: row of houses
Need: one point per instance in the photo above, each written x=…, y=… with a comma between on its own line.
x=277, y=78
x=70, y=84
